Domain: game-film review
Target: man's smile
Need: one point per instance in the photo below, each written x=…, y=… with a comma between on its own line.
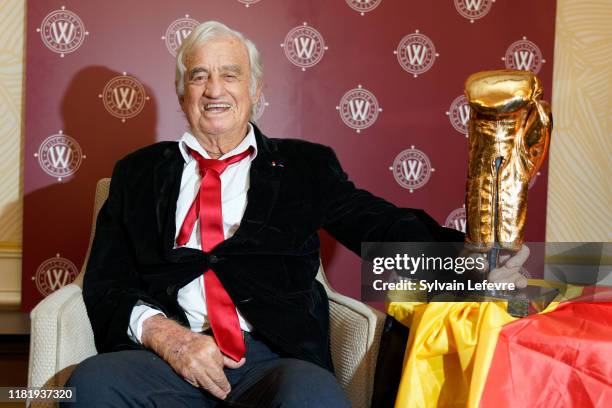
x=216, y=107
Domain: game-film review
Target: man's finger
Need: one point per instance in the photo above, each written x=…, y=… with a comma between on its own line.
x=502, y=274
x=519, y=258
x=521, y=281
x=230, y=363
x=502, y=259
x=218, y=376
x=211, y=386
x=518, y=279
x=508, y=275
x=192, y=382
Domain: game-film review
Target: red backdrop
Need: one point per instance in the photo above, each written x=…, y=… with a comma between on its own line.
x=378, y=87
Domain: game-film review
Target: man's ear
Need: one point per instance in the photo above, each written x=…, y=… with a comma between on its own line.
x=180, y=98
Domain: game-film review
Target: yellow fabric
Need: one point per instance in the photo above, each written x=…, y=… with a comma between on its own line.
x=450, y=348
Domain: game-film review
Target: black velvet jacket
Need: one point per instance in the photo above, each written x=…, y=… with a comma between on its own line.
x=268, y=267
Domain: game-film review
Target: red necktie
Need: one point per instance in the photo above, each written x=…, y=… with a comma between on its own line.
x=207, y=208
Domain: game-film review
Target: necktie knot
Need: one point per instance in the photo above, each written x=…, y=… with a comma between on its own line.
x=218, y=166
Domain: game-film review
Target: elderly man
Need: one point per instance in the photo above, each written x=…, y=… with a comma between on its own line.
x=201, y=283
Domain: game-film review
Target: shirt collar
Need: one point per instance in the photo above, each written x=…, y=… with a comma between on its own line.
x=188, y=141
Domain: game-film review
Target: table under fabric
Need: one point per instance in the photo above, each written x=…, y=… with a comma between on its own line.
x=474, y=354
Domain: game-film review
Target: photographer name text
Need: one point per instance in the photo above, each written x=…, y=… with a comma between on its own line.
x=435, y=286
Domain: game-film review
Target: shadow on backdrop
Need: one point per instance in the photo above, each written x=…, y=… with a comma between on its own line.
x=57, y=218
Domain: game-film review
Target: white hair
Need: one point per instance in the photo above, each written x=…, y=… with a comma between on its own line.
x=205, y=32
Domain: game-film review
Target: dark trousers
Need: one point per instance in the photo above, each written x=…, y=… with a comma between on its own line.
x=140, y=378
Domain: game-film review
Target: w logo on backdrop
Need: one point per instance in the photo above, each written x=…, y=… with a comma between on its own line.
x=416, y=53
x=524, y=55
x=473, y=9
x=124, y=97
x=411, y=169
x=247, y=3
x=260, y=107
x=60, y=156
x=177, y=31
x=363, y=6
x=459, y=114
x=62, y=31
x=457, y=219
x=304, y=46
x=53, y=274
x=358, y=108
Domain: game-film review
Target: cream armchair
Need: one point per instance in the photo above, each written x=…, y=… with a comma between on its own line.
x=61, y=335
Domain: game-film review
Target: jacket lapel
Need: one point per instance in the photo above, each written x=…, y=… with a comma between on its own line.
x=265, y=175
x=166, y=185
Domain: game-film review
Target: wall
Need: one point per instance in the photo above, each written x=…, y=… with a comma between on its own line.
x=12, y=19
x=579, y=193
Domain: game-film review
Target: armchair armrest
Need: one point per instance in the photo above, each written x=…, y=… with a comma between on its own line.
x=355, y=331
x=61, y=337
x=355, y=338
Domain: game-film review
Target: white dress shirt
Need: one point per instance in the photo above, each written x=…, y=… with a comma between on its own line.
x=234, y=188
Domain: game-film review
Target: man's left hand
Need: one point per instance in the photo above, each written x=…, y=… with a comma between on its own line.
x=509, y=268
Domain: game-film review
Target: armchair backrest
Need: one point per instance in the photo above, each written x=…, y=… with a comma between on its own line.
x=100, y=197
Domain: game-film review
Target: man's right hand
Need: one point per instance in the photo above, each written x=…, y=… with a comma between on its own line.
x=195, y=357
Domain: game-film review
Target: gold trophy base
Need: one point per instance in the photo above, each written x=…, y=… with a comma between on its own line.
x=521, y=302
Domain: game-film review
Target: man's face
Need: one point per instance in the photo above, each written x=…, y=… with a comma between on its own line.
x=217, y=101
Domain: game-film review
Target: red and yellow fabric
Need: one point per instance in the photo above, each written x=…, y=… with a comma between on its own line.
x=474, y=354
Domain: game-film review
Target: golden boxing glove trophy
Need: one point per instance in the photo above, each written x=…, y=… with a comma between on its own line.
x=509, y=133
